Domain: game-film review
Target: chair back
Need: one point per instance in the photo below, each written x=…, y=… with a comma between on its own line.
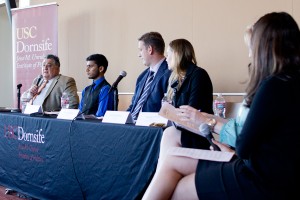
x=232, y=109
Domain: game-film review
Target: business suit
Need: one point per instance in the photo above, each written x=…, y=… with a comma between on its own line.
x=196, y=91
x=59, y=85
x=157, y=90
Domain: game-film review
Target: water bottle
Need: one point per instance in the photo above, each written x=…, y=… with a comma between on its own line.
x=219, y=106
x=64, y=100
x=26, y=97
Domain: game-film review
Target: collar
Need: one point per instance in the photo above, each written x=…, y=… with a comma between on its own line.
x=98, y=81
x=156, y=66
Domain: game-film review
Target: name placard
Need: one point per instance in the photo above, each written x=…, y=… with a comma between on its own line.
x=32, y=109
x=117, y=117
x=68, y=114
x=148, y=118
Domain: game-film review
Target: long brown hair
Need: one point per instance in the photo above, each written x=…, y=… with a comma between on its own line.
x=275, y=45
x=184, y=55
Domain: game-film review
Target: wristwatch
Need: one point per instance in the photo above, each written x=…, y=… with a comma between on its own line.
x=211, y=122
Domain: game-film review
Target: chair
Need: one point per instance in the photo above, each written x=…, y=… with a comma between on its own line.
x=232, y=109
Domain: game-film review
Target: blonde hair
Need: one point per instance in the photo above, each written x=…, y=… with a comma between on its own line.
x=183, y=56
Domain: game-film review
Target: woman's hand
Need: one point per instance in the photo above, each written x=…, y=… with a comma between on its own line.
x=194, y=116
x=188, y=113
x=223, y=147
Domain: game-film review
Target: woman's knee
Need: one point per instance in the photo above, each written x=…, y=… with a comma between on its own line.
x=171, y=135
x=186, y=188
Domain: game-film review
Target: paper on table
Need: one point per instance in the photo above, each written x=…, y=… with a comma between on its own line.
x=220, y=156
x=168, y=111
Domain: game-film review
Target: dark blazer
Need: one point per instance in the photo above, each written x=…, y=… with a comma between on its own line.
x=158, y=88
x=197, y=91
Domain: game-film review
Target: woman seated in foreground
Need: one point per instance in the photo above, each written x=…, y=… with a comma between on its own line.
x=266, y=165
x=227, y=129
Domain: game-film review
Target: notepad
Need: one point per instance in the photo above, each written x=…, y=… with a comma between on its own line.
x=220, y=156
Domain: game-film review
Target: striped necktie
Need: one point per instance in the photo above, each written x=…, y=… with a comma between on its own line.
x=143, y=96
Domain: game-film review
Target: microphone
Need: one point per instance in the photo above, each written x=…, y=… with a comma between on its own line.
x=115, y=84
x=19, y=98
x=114, y=88
x=205, y=132
x=39, y=80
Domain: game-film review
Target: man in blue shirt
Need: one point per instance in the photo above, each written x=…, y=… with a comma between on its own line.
x=95, y=98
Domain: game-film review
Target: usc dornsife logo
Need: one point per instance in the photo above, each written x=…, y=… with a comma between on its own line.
x=24, y=44
x=26, y=32
x=18, y=133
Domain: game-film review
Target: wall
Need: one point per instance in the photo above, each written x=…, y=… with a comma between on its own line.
x=111, y=27
x=6, y=89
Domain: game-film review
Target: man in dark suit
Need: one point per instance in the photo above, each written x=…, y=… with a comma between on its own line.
x=152, y=83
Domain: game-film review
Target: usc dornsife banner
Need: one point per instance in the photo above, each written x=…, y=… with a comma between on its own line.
x=34, y=35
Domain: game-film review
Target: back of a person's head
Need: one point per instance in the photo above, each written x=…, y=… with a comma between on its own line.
x=275, y=46
x=183, y=52
x=276, y=43
x=53, y=57
x=99, y=59
x=155, y=40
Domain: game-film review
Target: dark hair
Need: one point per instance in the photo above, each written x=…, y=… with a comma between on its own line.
x=275, y=45
x=155, y=40
x=99, y=59
x=53, y=57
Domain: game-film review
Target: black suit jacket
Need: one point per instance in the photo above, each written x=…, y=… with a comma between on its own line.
x=197, y=91
x=158, y=88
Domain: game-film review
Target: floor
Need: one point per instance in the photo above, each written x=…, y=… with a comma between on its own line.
x=12, y=196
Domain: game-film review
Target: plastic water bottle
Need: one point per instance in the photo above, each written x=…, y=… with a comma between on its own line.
x=64, y=100
x=25, y=100
x=220, y=106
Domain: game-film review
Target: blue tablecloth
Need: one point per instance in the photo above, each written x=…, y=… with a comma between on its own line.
x=56, y=159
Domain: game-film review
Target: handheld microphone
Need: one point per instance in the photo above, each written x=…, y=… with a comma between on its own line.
x=39, y=80
x=115, y=84
x=205, y=132
x=19, y=86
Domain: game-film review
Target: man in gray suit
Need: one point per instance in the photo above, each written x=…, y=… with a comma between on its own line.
x=47, y=89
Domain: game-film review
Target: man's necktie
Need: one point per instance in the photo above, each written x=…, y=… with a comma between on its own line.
x=42, y=86
x=143, y=96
